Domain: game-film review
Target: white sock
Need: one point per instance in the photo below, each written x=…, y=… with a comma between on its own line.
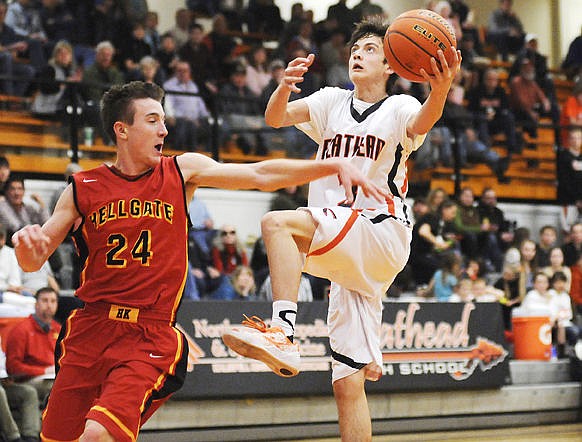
x=284, y=314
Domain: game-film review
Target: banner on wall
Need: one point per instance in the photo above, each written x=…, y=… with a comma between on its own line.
x=425, y=346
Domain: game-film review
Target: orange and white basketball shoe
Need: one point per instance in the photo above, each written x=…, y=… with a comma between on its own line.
x=266, y=344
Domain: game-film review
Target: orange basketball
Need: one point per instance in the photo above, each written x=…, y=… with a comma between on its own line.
x=413, y=38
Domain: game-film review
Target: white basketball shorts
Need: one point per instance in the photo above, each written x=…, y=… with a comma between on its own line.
x=361, y=252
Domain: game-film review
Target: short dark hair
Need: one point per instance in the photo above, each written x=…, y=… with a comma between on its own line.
x=558, y=276
x=45, y=290
x=373, y=26
x=117, y=102
x=3, y=160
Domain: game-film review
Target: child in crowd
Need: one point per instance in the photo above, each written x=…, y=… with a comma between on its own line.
x=463, y=291
x=483, y=292
x=562, y=305
x=446, y=278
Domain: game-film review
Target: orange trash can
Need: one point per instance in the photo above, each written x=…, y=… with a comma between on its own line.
x=532, y=337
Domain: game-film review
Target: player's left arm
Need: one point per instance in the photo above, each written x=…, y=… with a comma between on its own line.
x=440, y=83
x=199, y=170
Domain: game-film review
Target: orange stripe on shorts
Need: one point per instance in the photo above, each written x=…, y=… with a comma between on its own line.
x=341, y=235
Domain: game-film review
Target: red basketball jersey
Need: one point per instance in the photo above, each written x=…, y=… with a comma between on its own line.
x=134, y=236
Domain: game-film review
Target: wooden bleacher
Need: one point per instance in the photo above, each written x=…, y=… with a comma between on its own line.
x=532, y=173
x=36, y=146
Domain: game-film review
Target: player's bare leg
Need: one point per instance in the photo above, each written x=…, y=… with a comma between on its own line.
x=352, y=406
x=95, y=432
x=286, y=234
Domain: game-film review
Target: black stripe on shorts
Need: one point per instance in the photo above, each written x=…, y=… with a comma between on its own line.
x=347, y=360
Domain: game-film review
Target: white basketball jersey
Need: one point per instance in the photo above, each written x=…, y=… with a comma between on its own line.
x=375, y=141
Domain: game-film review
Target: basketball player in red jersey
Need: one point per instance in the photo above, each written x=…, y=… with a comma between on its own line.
x=120, y=357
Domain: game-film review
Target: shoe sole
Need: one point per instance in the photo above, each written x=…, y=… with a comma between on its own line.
x=260, y=354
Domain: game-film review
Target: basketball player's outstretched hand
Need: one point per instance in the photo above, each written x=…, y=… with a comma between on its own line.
x=32, y=241
x=443, y=77
x=349, y=176
x=295, y=71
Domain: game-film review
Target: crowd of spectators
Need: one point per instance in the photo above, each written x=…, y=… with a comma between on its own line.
x=232, y=69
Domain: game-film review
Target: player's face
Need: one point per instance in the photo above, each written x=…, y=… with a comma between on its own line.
x=367, y=60
x=146, y=135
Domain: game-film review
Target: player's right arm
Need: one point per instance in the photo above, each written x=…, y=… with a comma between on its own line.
x=280, y=112
x=33, y=244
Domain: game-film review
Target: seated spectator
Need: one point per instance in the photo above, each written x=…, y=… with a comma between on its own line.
x=471, y=149
x=445, y=279
x=202, y=223
x=22, y=399
x=206, y=277
x=513, y=285
x=167, y=55
x=149, y=71
x=296, y=143
x=14, y=303
x=462, y=291
x=483, y=292
x=241, y=286
x=131, y=51
x=34, y=281
x=288, y=198
x=4, y=174
x=305, y=293
x=264, y=16
x=445, y=10
x=227, y=251
x=572, y=63
x=569, y=171
x=258, y=74
x=30, y=345
x=243, y=119
x=221, y=45
x=496, y=234
x=562, y=305
x=548, y=238
x=11, y=45
x=366, y=9
x=57, y=21
x=338, y=73
x=570, y=215
x=198, y=55
x=571, y=116
x=432, y=235
x=180, y=30
x=468, y=223
x=419, y=208
x=152, y=35
x=435, y=198
x=557, y=265
x=187, y=116
x=505, y=30
x=96, y=79
x=573, y=249
x=53, y=97
x=492, y=114
x=24, y=18
x=259, y=262
x=15, y=212
x=528, y=101
x=435, y=150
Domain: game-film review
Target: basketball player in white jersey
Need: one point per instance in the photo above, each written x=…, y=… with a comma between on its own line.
x=360, y=248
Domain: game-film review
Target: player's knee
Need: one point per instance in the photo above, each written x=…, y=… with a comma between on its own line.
x=350, y=388
x=95, y=432
x=271, y=221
